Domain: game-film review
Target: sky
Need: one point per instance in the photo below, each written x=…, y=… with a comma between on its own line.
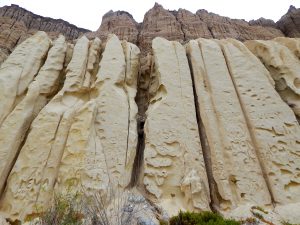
x=88, y=13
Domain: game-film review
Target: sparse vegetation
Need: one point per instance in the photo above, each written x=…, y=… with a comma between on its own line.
x=203, y=218
x=259, y=208
x=65, y=210
x=258, y=215
x=249, y=221
x=287, y=223
x=78, y=209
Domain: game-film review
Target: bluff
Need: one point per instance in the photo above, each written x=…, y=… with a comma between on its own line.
x=17, y=24
x=198, y=124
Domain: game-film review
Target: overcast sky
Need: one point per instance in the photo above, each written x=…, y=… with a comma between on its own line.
x=88, y=13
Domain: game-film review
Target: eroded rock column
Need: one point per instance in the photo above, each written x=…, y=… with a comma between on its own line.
x=236, y=177
x=14, y=128
x=272, y=123
x=174, y=170
x=33, y=176
x=100, y=149
x=19, y=69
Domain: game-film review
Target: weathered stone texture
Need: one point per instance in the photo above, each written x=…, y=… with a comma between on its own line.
x=224, y=27
x=17, y=24
x=290, y=23
x=209, y=126
x=86, y=146
x=174, y=170
x=272, y=123
x=14, y=128
x=119, y=23
x=284, y=67
x=229, y=139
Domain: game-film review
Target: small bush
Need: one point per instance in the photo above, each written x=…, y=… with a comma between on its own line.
x=203, y=218
x=64, y=211
x=79, y=209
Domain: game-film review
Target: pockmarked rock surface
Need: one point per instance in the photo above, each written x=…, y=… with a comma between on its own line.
x=174, y=169
x=284, y=67
x=101, y=155
x=229, y=141
x=178, y=124
x=273, y=125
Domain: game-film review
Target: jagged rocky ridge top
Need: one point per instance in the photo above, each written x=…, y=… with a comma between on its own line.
x=17, y=24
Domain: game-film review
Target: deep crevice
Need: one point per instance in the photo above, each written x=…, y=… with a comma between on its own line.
x=128, y=103
x=213, y=190
x=142, y=101
x=251, y=129
x=139, y=157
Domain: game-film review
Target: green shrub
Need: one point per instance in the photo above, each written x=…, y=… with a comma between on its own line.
x=203, y=218
x=65, y=210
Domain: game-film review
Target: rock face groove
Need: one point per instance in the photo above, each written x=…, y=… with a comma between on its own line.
x=188, y=123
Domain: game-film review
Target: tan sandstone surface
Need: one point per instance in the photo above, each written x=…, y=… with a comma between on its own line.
x=215, y=127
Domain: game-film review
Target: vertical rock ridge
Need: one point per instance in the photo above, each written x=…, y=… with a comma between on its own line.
x=14, y=129
x=214, y=204
x=228, y=140
x=274, y=125
x=19, y=70
x=252, y=136
x=99, y=158
x=174, y=171
x=34, y=171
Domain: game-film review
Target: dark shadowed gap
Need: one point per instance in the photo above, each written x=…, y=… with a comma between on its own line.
x=213, y=190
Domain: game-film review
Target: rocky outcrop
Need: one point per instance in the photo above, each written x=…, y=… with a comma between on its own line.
x=17, y=24
x=277, y=141
x=36, y=22
x=289, y=24
x=119, y=23
x=192, y=26
x=263, y=22
x=224, y=27
x=159, y=22
x=211, y=125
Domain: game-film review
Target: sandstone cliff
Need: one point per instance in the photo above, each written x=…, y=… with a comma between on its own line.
x=17, y=24
x=195, y=124
x=219, y=131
